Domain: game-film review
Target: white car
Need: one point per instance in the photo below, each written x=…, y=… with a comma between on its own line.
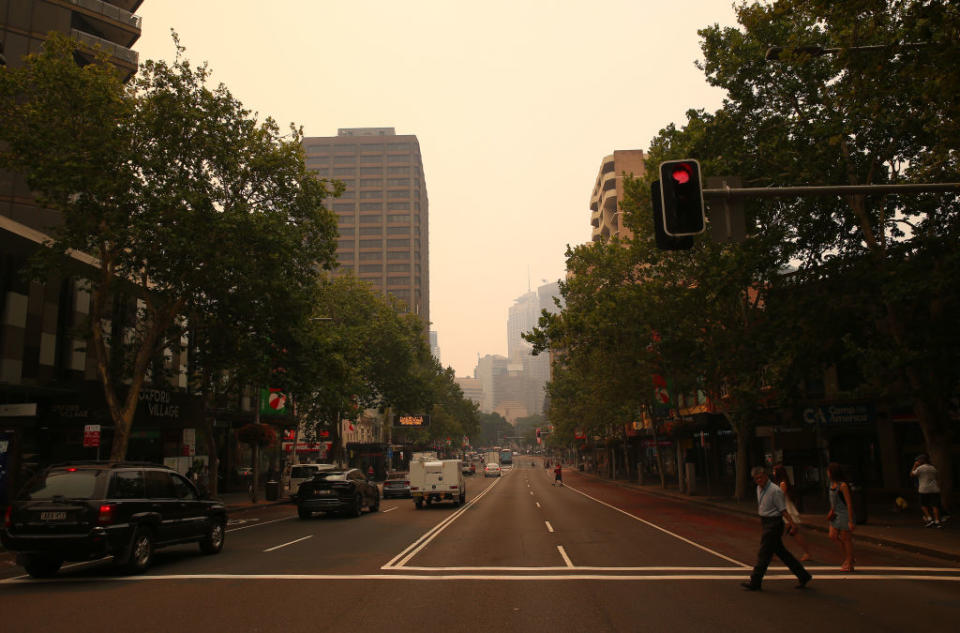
x=491, y=470
x=300, y=473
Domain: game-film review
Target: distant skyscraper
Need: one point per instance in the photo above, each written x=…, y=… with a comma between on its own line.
x=488, y=368
x=382, y=216
x=605, y=216
x=434, y=346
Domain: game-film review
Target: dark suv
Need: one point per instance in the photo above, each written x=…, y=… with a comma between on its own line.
x=85, y=511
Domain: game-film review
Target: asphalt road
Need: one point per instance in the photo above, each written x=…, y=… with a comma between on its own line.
x=521, y=555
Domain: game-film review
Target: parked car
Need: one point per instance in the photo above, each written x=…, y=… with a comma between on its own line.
x=397, y=485
x=90, y=510
x=348, y=491
x=300, y=473
x=491, y=470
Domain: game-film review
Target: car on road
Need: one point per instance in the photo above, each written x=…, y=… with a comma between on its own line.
x=491, y=470
x=468, y=468
x=345, y=491
x=300, y=473
x=397, y=485
x=90, y=510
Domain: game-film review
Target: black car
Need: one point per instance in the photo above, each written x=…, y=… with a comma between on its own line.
x=86, y=511
x=347, y=491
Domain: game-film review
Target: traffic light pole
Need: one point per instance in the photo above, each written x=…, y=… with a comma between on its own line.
x=830, y=190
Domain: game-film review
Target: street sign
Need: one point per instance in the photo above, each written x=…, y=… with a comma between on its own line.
x=91, y=436
x=411, y=421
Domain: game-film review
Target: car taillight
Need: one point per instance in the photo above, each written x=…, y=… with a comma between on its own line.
x=105, y=516
x=7, y=520
x=454, y=487
x=406, y=483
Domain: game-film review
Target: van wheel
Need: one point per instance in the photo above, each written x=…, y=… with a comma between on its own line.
x=463, y=498
x=141, y=551
x=39, y=566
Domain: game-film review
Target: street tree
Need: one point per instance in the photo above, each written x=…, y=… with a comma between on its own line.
x=189, y=206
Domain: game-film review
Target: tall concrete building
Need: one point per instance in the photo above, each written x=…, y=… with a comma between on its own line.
x=383, y=214
x=48, y=381
x=605, y=216
x=523, y=316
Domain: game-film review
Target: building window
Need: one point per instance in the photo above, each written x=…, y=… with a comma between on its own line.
x=398, y=281
x=398, y=158
x=370, y=257
x=398, y=268
x=371, y=219
x=345, y=256
x=347, y=232
x=372, y=159
x=398, y=255
x=371, y=206
x=371, y=182
x=371, y=230
x=398, y=206
x=398, y=243
x=398, y=170
x=371, y=171
x=345, y=243
x=344, y=171
x=371, y=195
x=371, y=243
x=400, y=193
x=398, y=230
x=399, y=219
x=371, y=268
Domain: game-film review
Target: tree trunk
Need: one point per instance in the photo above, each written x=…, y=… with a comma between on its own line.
x=937, y=440
x=744, y=431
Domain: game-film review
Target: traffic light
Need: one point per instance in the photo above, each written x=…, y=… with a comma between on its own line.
x=664, y=241
x=681, y=198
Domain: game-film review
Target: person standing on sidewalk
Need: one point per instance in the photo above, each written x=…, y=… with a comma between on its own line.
x=782, y=479
x=929, y=490
x=841, y=518
x=558, y=475
x=772, y=508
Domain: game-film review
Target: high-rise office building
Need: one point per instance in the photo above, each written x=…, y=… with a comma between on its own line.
x=605, y=216
x=383, y=214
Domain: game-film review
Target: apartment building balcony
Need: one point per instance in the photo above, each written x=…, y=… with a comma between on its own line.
x=105, y=20
x=122, y=56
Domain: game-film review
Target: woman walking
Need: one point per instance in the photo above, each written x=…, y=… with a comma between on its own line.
x=782, y=478
x=841, y=516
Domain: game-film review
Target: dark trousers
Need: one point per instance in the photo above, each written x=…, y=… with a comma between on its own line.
x=771, y=542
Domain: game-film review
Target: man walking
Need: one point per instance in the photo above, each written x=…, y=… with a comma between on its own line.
x=772, y=508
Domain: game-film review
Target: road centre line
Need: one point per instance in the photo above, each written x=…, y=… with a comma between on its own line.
x=664, y=530
x=650, y=568
x=247, y=527
x=566, y=558
x=538, y=504
x=389, y=509
x=414, y=548
x=549, y=527
x=471, y=577
x=290, y=543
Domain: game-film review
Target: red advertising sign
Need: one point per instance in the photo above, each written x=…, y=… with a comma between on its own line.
x=91, y=435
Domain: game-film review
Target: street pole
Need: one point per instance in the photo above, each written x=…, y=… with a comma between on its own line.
x=828, y=190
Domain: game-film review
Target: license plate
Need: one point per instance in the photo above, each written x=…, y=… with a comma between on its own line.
x=53, y=516
x=323, y=492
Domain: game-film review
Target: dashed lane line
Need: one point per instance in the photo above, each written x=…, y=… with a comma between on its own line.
x=271, y=549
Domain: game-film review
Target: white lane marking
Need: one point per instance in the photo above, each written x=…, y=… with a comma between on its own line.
x=389, y=509
x=290, y=543
x=538, y=504
x=247, y=527
x=414, y=548
x=549, y=527
x=664, y=530
x=471, y=577
x=566, y=558
x=531, y=493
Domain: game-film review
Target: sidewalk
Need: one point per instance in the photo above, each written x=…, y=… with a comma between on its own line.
x=884, y=527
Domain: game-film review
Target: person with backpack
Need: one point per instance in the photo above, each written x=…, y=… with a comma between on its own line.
x=841, y=517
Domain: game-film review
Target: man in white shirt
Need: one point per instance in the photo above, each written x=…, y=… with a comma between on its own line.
x=772, y=508
x=929, y=490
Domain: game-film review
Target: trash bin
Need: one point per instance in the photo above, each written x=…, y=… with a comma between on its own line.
x=273, y=490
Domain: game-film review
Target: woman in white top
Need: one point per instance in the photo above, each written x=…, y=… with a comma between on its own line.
x=929, y=490
x=782, y=479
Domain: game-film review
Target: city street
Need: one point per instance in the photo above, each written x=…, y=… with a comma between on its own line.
x=522, y=554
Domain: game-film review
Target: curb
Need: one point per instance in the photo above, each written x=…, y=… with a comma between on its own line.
x=868, y=538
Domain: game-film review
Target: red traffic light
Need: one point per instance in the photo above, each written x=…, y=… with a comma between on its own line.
x=681, y=174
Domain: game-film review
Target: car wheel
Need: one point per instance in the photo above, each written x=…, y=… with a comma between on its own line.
x=376, y=504
x=357, y=508
x=39, y=566
x=212, y=542
x=304, y=514
x=463, y=498
x=141, y=551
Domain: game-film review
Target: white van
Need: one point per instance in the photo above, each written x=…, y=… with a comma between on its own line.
x=437, y=481
x=300, y=473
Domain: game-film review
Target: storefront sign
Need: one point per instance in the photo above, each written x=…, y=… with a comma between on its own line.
x=843, y=414
x=159, y=404
x=406, y=421
x=91, y=435
x=26, y=410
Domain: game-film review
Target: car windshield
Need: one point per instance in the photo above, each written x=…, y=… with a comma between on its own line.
x=331, y=476
x=70, y=483
x=397, y=476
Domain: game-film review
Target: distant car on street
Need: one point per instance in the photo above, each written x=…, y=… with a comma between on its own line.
x=397, y=485
x=90, y=510
x=346, y=491
x=300, y=473
x=491, y=470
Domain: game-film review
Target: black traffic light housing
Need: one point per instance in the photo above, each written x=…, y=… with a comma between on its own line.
x=681, y=198
x=664, y=241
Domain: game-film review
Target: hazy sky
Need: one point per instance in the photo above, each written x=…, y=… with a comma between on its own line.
x=514, y=102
